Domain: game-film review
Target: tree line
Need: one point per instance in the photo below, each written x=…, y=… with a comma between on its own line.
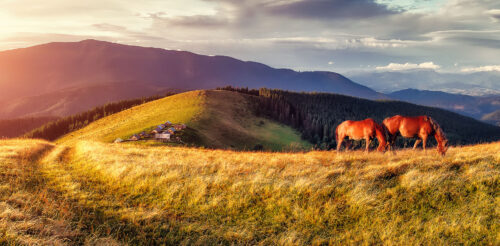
x=58, y=128
x=11, y=128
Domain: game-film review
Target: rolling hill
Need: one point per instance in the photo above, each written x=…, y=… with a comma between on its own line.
x=215, y=119
x=42, y=80
x=240, y=119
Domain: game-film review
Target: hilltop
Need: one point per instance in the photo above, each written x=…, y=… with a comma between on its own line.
x=215, y=119
x=100, y=193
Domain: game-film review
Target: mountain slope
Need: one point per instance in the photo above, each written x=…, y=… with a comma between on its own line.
x=74, y=100
x=219, y=119
x=49, y=68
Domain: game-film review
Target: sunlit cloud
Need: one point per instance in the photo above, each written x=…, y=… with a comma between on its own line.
x=490, y=68
x=409, y=66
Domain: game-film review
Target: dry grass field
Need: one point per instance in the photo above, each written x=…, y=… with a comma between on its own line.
x=97, y=193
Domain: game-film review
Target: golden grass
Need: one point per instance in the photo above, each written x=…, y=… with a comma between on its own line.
x=110, y=193
x=28, y=213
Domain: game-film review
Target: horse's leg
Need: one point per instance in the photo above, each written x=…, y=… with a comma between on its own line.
x=393, y=140
x=424, y=141
x=417, y=142
x=368, y=142
x=339, y=144
x=348, y=144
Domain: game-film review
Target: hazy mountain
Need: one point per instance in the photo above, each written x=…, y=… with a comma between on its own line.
x=464, y=104
x=76, y=99
x=493, y=118
x=29, y=77
x=474, y=84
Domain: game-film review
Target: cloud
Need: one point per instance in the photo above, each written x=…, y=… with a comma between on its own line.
x=109, y=27
x=409, y=66
x=330, y=9
x=494, y=14
x=191, y=21
x=490, y=68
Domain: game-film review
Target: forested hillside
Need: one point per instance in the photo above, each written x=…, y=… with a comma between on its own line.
x=317, y=115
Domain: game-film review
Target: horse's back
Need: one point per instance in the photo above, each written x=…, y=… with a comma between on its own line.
x=414, y=126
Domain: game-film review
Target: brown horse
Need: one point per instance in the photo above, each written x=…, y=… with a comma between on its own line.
x=419, y=126
x=356, y=130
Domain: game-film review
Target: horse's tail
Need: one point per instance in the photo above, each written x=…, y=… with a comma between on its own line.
x=381, y=132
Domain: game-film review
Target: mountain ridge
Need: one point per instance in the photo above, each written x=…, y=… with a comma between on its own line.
x=47, y=68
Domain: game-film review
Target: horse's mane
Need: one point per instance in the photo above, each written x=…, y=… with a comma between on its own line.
x=437, y=128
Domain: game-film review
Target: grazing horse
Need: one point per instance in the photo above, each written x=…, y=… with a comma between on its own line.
x=419, y=126
x=356, y=130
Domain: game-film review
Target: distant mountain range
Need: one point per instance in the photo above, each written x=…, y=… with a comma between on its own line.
x=474, y=106
x=59, y=79
x=473, y=84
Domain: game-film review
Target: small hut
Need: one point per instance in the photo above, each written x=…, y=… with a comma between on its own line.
x=171, y=130
x=168, y=123
x=179, y=127
x=118, y=140
x=157, y=130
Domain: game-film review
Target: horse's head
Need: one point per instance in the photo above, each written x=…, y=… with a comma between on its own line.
x=443, y=147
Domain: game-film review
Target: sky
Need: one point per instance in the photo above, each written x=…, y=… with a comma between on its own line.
x=459, y=36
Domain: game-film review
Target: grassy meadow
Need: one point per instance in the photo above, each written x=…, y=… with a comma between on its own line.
x=91, y=192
